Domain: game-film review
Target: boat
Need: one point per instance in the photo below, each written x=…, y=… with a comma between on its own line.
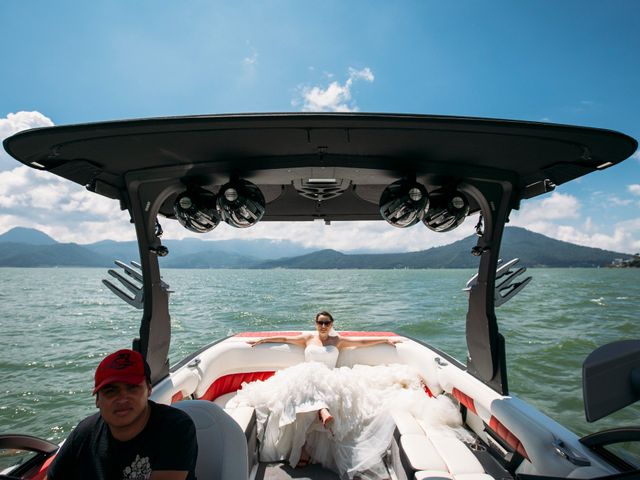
x=428, y=171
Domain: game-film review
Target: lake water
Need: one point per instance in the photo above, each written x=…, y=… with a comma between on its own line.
x=56, y=325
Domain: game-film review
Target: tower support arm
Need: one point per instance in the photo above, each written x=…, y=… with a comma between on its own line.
x=485, y=345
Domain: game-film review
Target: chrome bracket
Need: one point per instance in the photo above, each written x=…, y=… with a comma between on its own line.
x=505, y=287
x=132, y=281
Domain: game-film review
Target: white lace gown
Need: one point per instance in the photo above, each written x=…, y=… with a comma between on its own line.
x=360, y=400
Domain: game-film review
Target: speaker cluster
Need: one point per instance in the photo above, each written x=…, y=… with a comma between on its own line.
x=238, y=203
x=405, y=203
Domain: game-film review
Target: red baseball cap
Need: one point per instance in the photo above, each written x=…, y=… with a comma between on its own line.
x=126, y=366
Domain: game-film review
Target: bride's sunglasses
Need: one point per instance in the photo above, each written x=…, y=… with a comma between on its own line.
x=324, y=323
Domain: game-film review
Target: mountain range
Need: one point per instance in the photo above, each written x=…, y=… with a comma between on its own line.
x=25, y=247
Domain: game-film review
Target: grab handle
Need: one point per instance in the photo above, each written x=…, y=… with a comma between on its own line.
x=564, y=451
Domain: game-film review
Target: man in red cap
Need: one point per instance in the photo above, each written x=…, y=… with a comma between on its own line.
x=131, y=438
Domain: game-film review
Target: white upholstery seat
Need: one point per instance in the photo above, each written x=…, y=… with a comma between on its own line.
x=456, y=455
x=406, y=423
x=433, y=455
x=421, y=454
x=222, y=446
x=246, y=418
x=222, y=400
x=375, y=355
x=243, y=416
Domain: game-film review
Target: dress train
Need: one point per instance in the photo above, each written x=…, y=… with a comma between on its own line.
x=360, y=399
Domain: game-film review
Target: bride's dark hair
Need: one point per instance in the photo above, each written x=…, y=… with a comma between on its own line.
x=324, y=314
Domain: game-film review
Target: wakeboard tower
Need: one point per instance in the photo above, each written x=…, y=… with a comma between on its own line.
x=434, y=171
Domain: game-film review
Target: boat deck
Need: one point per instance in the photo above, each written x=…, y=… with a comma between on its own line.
x=283, y=471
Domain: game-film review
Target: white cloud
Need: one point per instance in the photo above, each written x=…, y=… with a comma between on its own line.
x=589, y=226
x=251, y=60
x=66, y=211
x=555, y=207
x=336, y=97
x=364, y=74
x=552, y=216
x=36, y=199
x=636, y=155
x=621, y=238
x=249, y=63
x=13, y=123
x=634, y=189
x=620, y=202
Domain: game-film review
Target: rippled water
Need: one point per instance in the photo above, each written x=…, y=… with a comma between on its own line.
x=56, y=324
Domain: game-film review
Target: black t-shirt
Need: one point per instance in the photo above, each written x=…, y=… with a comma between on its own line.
x=168, y=442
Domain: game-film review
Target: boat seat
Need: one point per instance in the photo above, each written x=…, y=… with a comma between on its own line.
x=420, y=453
x=245, y=417
x=222, y=446
x=222, y=400
x=426, y=475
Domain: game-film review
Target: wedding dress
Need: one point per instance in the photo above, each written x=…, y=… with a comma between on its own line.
x=360, y=400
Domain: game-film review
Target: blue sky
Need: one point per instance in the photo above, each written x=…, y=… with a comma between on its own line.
x=573, y=62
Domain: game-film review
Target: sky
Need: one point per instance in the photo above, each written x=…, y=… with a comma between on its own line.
x=571, y=62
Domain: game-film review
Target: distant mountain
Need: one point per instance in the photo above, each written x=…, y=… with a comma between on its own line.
x=254, y=250
x=58, y=255
x=540, y=251
x=186, y=253
x=29, y=236
x=534, y=250
x=328, y=257
x=125, y=251
x=209, y=259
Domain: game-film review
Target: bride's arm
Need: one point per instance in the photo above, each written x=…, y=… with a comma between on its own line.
x=300, y=340
x=347, y=342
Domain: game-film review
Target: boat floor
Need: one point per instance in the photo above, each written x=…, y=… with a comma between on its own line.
x=283, y=471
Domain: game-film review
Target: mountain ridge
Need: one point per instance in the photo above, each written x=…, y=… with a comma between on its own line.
x=29, y=236
x=533, y=249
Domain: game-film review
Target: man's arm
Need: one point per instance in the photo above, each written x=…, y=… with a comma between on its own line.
x=62, y=465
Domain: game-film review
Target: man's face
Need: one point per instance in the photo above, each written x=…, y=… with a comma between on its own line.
x=123, y=405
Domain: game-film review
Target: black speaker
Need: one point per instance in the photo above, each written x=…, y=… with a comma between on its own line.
x=196, y=210
x=241, y=203
x=446, y=211
x=403, y=203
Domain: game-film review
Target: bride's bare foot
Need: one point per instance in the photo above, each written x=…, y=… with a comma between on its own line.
x=305, y=458
x=325, y=417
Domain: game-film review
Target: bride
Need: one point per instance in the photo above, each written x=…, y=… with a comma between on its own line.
x=338, y=417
